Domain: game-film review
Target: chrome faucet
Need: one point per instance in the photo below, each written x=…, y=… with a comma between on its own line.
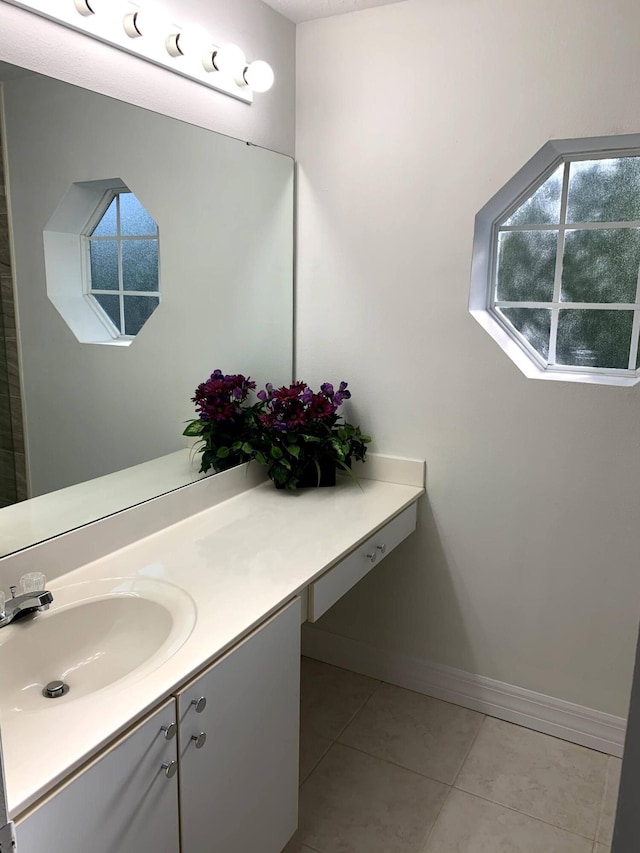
x=34, y=597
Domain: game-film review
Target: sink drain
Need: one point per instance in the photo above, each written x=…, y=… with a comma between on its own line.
x=54, y=689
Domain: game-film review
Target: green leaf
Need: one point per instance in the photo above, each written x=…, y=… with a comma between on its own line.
x=278, y=474
x=276, y=453
x=246, y=448
x=261, y=459
x=236, y=445
x=222, y=452
x=294, y=450
x=194, y=428
x=286, y=464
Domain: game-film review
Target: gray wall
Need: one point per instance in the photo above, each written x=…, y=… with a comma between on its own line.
x=525, y=564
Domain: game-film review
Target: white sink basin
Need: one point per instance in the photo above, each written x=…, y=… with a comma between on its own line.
x=94, y=634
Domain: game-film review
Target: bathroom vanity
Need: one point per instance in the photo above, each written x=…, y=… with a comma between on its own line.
x=180, y=728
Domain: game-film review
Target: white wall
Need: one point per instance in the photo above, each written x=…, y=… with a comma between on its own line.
x=225, y=216
x=525, y=564
x=41, y=45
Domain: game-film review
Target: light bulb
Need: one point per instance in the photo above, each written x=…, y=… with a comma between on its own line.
x=99, y=7
x=192, y=41
x=259, y=75
x=229, y=60
x=144, y=23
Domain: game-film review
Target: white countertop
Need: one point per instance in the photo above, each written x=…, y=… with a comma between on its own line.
x=239, y=562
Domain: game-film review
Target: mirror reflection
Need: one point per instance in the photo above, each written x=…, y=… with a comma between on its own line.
x=83, y=395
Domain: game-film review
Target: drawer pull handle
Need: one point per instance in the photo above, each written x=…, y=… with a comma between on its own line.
x=170, y=769
x=372, y=557
x=382, y=548
x=199, y=740
x=199, y=704
x=169, y=731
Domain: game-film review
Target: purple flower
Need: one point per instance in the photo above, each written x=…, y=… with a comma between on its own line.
x=296, y=406
x=219, y=398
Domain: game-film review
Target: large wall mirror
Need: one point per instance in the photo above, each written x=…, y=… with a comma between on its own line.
x=91, y=404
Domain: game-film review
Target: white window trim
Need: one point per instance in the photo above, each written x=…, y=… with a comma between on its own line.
x=497, y=210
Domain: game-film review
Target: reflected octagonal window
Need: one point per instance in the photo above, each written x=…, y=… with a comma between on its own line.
x=122, y=246
x=556, y=268
x=101, y=250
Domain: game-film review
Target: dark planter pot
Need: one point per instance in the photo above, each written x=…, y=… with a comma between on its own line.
x=309, y=477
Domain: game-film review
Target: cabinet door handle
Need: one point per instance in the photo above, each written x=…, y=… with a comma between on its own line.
x=382, y=548
x=199, y=740
x=170, y=769
x=169, y=731
x=372, y=556
x=199, y=704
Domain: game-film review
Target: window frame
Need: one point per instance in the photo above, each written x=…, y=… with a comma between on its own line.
x=86, y=238
x=488, y=226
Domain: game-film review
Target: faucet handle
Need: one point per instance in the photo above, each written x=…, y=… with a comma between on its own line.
x=32, y=582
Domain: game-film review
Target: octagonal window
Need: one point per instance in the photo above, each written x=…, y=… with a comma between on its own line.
x=556, y=276
x=121, y=242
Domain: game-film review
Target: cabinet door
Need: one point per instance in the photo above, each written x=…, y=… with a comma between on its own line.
x=239, y=790
x=122, y=802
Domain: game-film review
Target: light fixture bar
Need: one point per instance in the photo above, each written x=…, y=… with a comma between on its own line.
x=187, y=51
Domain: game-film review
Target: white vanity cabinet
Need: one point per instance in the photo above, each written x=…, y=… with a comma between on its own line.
x=126, y=801
x=333, y=584
x=238, y=730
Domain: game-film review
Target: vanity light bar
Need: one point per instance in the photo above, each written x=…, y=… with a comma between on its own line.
x=188, y=51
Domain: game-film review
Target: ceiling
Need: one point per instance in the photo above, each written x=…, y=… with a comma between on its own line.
x=308, y=10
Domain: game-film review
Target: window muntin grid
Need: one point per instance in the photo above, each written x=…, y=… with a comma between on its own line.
x=122, y=265
x=568, y=287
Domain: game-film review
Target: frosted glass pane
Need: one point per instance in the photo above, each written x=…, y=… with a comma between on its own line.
x=107, y=227
x=604, y=190
x=543, y=207
x=526, y=266
x=594, y=338
x=104, y=264
x=534, y=324
x=111, y=307
x=137, y=310
x=601, y=265
x=140, y=264
x=134, y=219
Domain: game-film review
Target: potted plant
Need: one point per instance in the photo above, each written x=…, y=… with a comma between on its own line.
x=225, y=426
x=301, y=437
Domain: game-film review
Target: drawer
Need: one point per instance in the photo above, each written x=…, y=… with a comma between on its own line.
x=333, y=584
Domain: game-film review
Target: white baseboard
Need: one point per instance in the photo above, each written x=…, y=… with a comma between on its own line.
x=536, y=711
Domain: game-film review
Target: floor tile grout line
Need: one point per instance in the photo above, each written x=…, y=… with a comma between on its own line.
x=604, y=794
x=464, y=791
x=433, y=826
x=355, y=713
x=468, y=753
x=525, y=814
x=300, y=784
x=393, y=764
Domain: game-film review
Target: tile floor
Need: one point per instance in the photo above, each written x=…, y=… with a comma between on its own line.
x=385, y=770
